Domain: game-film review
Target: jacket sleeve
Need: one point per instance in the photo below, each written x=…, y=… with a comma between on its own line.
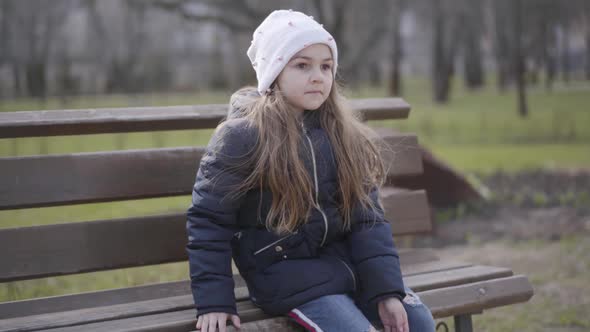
x=212, y=218
x=374, y=254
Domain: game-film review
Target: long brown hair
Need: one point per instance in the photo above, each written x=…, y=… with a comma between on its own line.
x=277, y=166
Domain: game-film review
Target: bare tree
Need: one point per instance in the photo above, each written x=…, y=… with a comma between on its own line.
x=446, y=36
x=97, y=42
x=242, y=17
x=34, y=27
x=586, y=14
x=502, y=43
x=519, y=58
x=395, y=87
x=472, y=17
x=238, y=15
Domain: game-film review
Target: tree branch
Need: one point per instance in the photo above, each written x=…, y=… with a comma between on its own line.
x=180, y=8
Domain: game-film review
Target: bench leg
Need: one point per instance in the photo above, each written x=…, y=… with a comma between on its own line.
x=463, y=323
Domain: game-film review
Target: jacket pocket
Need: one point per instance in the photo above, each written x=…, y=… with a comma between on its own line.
x=274, y=243
x=272, y=249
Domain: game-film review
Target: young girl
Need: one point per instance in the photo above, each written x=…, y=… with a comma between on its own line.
x=289, y=185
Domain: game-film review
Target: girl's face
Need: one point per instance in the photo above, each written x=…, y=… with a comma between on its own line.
x=307, y=78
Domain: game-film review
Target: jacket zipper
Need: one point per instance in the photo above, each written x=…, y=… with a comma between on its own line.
x=349, y=270
x=315, y=178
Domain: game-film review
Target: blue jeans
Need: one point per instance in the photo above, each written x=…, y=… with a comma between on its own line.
x=340, y=313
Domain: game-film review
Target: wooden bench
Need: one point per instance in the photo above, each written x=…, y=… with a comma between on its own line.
x=456, y=289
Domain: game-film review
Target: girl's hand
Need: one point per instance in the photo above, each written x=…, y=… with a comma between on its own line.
x=210, y=321
x=393, y=315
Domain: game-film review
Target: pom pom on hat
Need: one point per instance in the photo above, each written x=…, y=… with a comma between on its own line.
x=279, y=37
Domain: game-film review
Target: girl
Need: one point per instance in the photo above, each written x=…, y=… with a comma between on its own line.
x=289, y=185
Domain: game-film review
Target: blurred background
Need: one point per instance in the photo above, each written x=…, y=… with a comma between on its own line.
x=499, y=89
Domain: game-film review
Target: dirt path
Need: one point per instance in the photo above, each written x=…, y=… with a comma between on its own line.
x=550, y=245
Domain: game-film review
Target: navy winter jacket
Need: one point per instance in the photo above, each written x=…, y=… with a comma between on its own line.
x=282, y=271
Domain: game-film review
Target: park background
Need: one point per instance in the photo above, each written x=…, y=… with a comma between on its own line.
x=499, y=89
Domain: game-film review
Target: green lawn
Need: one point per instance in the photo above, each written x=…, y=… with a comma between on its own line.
x=476, y=132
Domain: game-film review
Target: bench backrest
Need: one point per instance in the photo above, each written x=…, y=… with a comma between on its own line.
x=66, y=179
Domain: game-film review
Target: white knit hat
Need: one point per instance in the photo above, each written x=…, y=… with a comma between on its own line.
x=279, y=37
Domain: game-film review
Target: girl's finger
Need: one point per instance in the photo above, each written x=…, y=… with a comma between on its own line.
x=205, y=323
x=236, y=321
x=212, y=324
x=400, y=327
x=199, y=322
x=222, y=323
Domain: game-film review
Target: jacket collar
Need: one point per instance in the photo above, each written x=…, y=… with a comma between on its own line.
x=311, y=119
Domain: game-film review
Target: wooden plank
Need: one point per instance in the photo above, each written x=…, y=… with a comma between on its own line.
x=432, y=266
x=40, y=251
x=401, y=152
x=445, y=302
x=107, y=297
x=381, y=108
x=142, y=309
x=168, y=289
x=439, y=279
x=37, y=181
x=477, y=296
x=86, y=300
x=109, y=120
x=407, y=210
x=417, y=282
x=49, y=250
x=136, y=119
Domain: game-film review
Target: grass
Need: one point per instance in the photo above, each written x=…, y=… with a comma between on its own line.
x=477, y=132
x=558, y=272
x=513, y=157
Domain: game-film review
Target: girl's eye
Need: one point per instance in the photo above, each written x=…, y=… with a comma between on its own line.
x=326, y=67
x=301, y=65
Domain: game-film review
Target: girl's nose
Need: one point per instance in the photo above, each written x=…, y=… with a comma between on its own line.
x=316, y=75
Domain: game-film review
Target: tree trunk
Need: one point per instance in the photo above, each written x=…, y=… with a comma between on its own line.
x=473, y=61
x=440, y=63
x=587, y=20
x=565, y=53
x=97, y=44
x=36, y=79
x=588, y=50
x=395, y=88
x=519, y=59
x=502, y=44
x=548, y=55
x=474, y=76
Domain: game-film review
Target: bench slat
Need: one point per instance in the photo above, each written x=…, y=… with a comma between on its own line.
x=171, y=315
x=401, y=153
x=53, y=180
x=176, y=288
x=429, y=267
x=478, y=296
x=39, y=251
x=407, y=210
x=136, y=119
x=439, y=279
